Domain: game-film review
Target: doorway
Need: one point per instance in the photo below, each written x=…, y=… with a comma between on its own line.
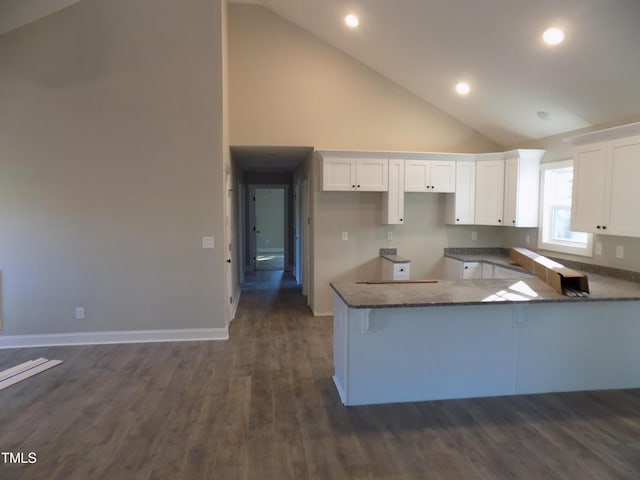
x=269, y=230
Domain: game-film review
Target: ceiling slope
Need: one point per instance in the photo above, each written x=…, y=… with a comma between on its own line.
x=427, y=46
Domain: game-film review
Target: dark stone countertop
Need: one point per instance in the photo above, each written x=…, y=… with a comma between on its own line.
x=395, y=258
x=477, y=292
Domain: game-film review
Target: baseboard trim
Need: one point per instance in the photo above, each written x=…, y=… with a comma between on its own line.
x=323, y=314
x=98, y=338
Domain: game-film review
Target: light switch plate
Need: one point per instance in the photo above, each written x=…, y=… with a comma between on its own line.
x=598, y=248
x=619, y=251
x=345, y=235
x=389, y=236
x=208, y=242
x=474, y=235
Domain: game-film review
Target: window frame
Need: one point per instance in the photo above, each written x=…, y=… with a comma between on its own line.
x=561, y=247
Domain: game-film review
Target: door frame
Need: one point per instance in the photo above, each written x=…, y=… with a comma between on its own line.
x=250, y=231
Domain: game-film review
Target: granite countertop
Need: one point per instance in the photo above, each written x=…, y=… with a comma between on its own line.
x=395, y=258
x=477, y=292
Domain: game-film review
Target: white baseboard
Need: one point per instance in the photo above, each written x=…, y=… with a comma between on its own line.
x=97, y=338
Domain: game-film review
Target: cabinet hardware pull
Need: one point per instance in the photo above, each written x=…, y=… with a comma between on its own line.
x=604, y=227
x=598, y=227
x=499, y=221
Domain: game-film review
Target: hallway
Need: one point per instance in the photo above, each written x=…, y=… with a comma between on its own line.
x=262, y=405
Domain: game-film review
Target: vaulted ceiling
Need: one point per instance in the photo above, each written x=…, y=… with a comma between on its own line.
x=427, y=46
x=521, y=89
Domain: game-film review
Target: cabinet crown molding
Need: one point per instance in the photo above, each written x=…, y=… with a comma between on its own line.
x=612, y=133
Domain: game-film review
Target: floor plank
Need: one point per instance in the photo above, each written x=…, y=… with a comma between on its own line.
x=262, y=405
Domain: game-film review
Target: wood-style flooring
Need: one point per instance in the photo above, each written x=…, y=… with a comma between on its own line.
x=262, y=406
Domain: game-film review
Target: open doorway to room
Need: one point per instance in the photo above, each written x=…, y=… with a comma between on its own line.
x=269, y=230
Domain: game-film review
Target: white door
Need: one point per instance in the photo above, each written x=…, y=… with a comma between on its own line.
x=372, y=174
x=489, y=192
x=622, y=212
x=510, y=192
x=228, y=240
x=589, y=188
x=416, y=175
x=443, y=176
x=338, y=174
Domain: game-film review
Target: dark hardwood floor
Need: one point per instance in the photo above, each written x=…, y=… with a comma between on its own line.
x=262, y=406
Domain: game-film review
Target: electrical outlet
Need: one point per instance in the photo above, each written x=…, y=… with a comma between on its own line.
x=527, y=239
x=345, y=235
x=598, y=248
x=474, y=236
x=619, y=251
x=389, y=236
x=79, y=313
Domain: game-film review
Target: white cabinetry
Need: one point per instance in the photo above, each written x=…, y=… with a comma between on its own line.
x=460, y=270
x=393, y=200
x=430, y=176
x=489, y=190
x=604, y=186
x=522, y=188
x=461, y=205
x=395, y=270
x=342, y=173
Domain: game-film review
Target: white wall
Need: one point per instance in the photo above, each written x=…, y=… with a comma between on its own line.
x=111, y=161
x=289, y=88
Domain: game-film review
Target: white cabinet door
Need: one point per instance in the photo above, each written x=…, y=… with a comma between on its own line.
x=430, y=176
x=589, y=188
x=372, y=174
x=510, y=191
x=416, y=175
x=461, y=205
x=522, y=189
x=393, y=200
x=338, y=174
x=443, y=176
x=622, y=213
x=353, y=174
x=472, y=271
x=489, y=192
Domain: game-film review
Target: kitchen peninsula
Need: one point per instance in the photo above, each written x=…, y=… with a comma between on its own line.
x=474, y=338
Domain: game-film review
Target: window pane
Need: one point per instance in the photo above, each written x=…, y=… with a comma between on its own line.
x=560, y=225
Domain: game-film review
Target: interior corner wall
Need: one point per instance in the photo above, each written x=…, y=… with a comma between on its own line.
x=111, y=168
x=290, y=88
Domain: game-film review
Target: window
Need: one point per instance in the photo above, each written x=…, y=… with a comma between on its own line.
x=555, y=211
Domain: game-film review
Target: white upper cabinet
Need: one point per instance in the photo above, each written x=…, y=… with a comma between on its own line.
x=393, y=200
x=342, y=173
x=587, y=204
x=489, y=196
x=422, y=175
x=605, y=186
x=522, y=188
x=461, y=205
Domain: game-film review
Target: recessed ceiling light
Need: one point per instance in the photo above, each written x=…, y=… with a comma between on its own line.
x=553, y=36
x=463, y=88
x=351, y=20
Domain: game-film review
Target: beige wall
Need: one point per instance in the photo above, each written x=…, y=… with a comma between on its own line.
x=111, y=161
x=289, y=88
